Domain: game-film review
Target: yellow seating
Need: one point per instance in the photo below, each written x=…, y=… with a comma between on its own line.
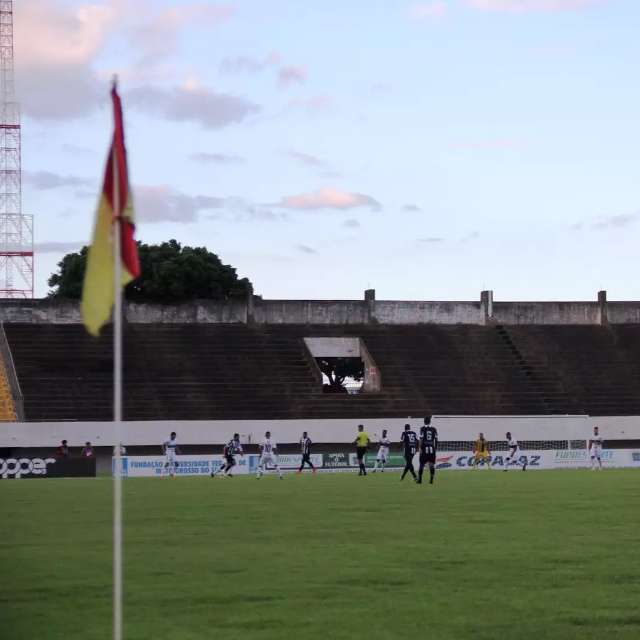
x=7, y=408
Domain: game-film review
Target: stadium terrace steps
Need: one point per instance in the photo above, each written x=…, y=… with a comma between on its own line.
x=7, y=407
x=217, y=371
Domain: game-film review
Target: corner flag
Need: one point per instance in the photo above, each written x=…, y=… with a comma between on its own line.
x=115, y=204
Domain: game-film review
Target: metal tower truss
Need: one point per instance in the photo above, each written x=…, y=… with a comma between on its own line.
x=16, y=229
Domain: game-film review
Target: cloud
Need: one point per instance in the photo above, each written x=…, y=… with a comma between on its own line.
x=329, y=198
x=204, y=157
x=47, y=33
x=314, y=104
x=44, y=180
x=207, y=108
x=58, y=247
x=616, y=222
x=307, y=159
x=430, y=240
x=248, y=64
x=291, y=75
x=411, y=207
x=58, y=48
x=531, y=6
x=351, y=223
x=155, y=34
x=286, y=74
x=474, y=235
x=429, y=10
x=161, y=203
x=303, y=248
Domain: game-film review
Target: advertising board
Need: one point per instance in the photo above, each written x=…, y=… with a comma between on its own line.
x=39, y=467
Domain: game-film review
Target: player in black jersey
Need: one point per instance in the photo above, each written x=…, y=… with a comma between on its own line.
x=229, y=451
x=428, y=449
x=409, y=441
x=305, y=447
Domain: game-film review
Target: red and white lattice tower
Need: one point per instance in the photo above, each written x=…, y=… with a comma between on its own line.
x=16, y=229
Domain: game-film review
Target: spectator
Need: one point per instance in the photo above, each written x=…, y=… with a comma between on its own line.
x=62, y=452
x=87, y=451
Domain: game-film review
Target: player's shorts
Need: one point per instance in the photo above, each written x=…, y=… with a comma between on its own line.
x=361, y=451
x=596, y=452
x=481, y=455
x=427, y=457
x=267, y=459
x=515, y=457
x=230, y=460
x=383, y=454
x=170, y=457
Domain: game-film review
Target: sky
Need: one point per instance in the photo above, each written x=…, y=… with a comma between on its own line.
x=428, y=150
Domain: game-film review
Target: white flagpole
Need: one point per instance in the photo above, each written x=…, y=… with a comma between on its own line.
x=117, y=404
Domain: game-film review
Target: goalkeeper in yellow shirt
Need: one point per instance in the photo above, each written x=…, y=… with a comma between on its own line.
x=481, y=452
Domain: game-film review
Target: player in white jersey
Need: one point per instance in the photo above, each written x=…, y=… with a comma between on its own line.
x=513, y=454
x=595, y=449
x=383, y=452
x=170, y=449
x=268, y=456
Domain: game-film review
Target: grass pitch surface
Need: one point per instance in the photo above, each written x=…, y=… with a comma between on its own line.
x=480, y=555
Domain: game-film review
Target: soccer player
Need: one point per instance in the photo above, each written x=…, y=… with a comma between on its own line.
x=229, y=452
x=268, y=455
x=170, y=450
x=305, y=447
x=513, y=457
x=361, y=442
x=383, y=452
x=428, y=449
x=481, y=452
x=409, y=441
x=595, y=449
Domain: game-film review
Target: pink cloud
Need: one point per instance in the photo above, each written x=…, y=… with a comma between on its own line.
x=329, y=198
x=291, y=74
x=429, y=10
x=59, y=48
x=48, y=34
x=531, y=6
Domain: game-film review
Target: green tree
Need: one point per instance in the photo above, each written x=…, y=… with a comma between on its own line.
x=169, y=273
x=338, y=370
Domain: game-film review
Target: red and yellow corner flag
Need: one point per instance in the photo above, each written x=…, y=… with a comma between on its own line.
x=115, y=204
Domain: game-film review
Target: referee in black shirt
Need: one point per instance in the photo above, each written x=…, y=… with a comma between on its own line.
x=428, y=449
x=409, y=441
x=305, y=447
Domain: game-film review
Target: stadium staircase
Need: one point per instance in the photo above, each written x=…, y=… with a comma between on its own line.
x=598, y=368
x=217, y=371
x=7, y=408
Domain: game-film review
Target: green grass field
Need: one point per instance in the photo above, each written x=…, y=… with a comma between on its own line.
x=480, y=555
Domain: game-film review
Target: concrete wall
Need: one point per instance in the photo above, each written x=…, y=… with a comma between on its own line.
x=341, y=312
x=49, y=434
x=398, y=312
x=546, y=312
x=310, y=312
x=333, y=347
x=623, y=312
